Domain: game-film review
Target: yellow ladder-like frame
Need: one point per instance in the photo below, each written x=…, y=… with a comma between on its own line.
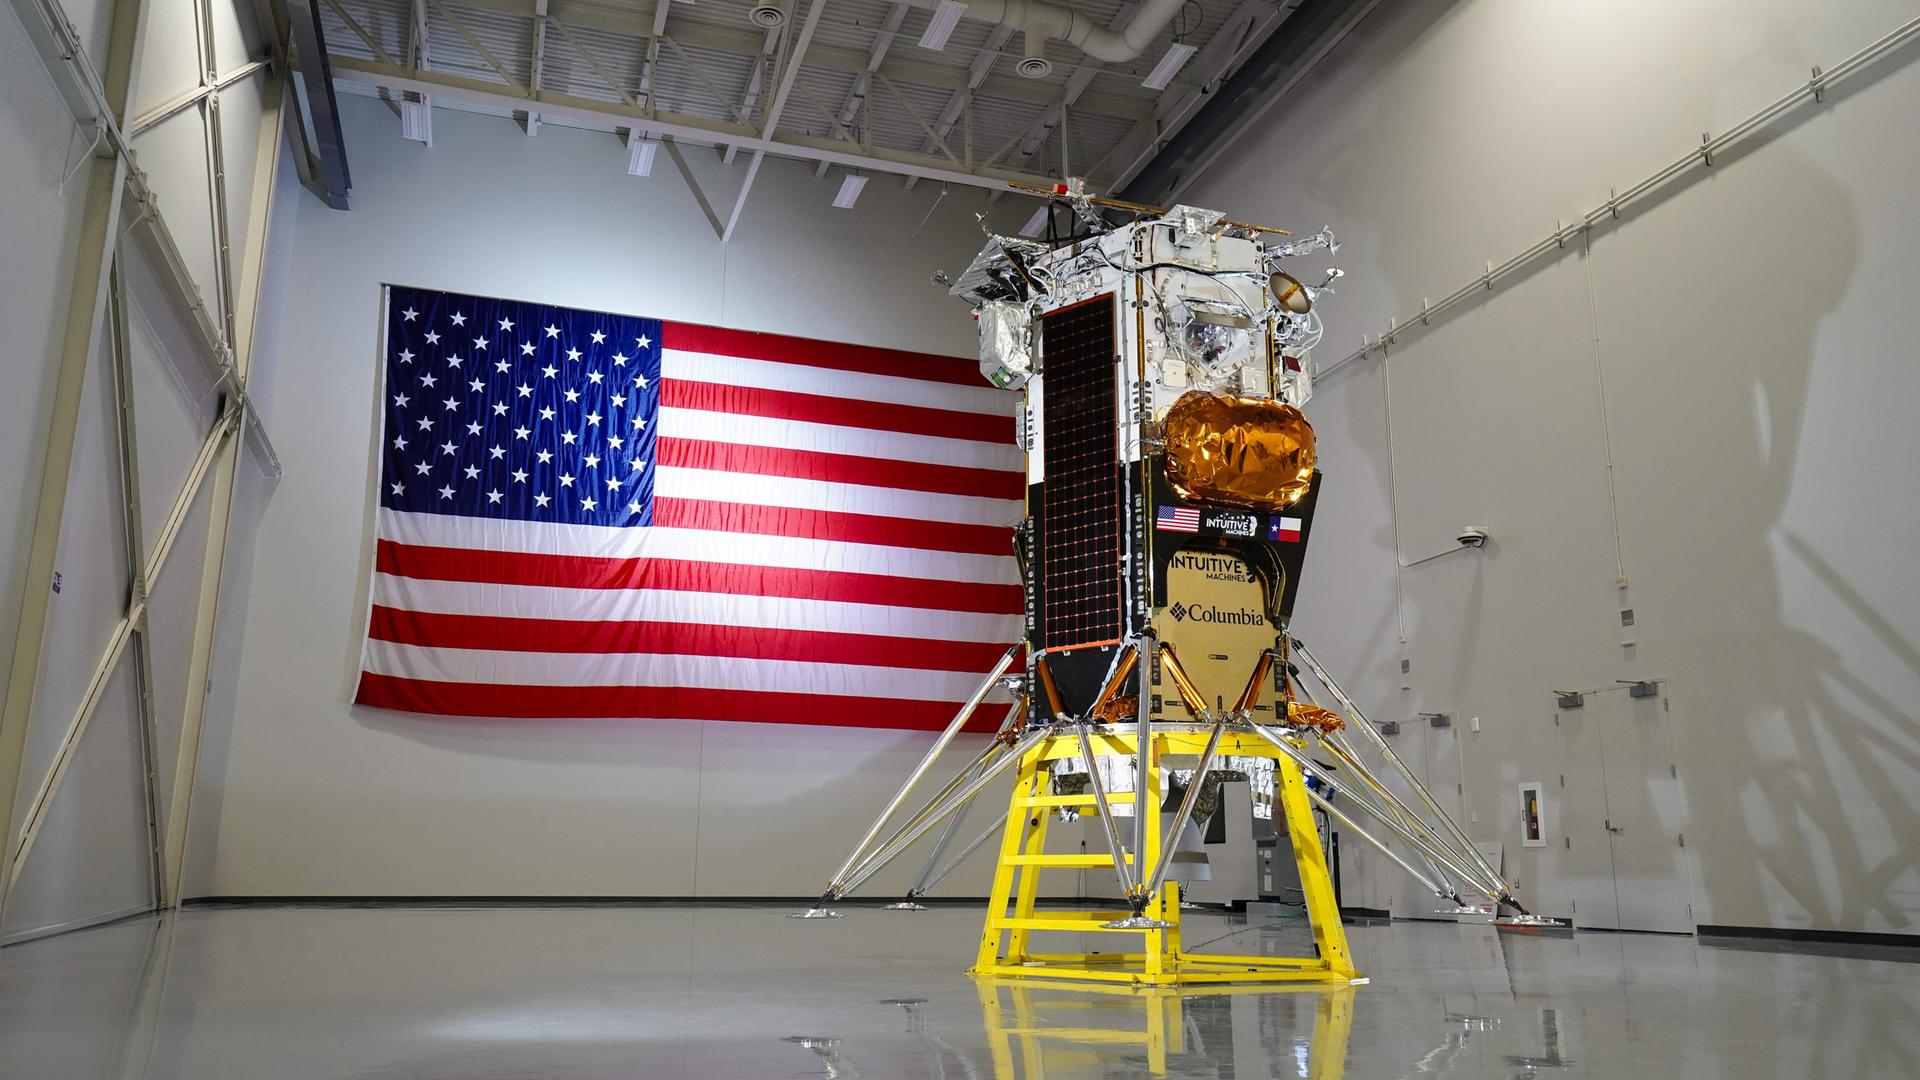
x=1005, y=939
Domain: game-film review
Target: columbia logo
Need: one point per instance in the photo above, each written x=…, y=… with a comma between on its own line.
x=1178, y=611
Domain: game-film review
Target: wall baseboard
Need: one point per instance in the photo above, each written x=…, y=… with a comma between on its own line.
x=1811, y=937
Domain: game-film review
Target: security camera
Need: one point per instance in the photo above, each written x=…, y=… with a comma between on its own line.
x=1473, y=536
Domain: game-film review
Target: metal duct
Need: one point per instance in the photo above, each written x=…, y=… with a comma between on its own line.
x=1039, y=21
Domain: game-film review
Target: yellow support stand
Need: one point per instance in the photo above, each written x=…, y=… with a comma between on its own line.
x=1012, y=918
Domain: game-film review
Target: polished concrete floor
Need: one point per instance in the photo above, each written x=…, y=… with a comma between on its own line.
x=718, y=993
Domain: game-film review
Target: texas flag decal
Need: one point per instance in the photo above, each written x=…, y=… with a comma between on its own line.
x=1284, y=529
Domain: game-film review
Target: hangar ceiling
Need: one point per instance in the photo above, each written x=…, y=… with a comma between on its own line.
x=851, y=83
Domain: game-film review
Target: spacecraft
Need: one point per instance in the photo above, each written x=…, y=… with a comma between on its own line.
x=1161, y=356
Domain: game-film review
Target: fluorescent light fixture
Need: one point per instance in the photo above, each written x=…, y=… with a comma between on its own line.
x=640, y=154
x=416, y=121
x=849, y=190
x=1163, y=72
x=1037, y=224
x=940, y=27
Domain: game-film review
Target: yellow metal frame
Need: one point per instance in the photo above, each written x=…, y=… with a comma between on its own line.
x=1012, y=918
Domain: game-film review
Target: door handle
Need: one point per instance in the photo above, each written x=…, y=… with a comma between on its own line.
x=1612, y=828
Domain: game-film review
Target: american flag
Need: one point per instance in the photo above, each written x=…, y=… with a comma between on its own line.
x=586, y=514
x=1178, y=519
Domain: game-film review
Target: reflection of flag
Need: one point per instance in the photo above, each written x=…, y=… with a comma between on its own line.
x=1178, y=519
x=585, y=514
x=1284, y=528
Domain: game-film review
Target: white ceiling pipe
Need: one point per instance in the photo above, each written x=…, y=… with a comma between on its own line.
x=1041, y=20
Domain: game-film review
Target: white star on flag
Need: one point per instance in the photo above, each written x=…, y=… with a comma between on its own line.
x=433, y=337
x=459, y=319
x=553, y=331
x=598, y=337
x=493, y=496
x=406, y=356
x=542, y=500
x=409, y=314
x=573, y=354
x=447, y=492
x=506, y=324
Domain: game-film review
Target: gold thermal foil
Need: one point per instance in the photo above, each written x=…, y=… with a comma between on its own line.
x=1304, y=715
x=1249, y=451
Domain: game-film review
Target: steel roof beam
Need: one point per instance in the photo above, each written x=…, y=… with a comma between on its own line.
x=961, y=100
x=1119, y=105
x=696, y=129
x=539, y=59
x=790, y=70
x=862, y=83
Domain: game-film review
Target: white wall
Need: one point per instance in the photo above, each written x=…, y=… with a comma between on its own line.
x=1752, y=334
x=310, y=795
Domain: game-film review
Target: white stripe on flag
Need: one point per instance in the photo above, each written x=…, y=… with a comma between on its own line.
x=693, y=608
x=832, y=382
x=607, y=542
x=648, y=669
x=831, y=439
x=674, y=482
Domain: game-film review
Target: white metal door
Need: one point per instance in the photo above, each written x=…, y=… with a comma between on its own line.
x=1644, y=812
x=1577, y=811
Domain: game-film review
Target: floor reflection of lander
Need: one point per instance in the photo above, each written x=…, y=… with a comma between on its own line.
x=1037, y=1031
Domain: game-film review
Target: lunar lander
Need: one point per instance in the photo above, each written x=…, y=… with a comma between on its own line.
x=1172, y=483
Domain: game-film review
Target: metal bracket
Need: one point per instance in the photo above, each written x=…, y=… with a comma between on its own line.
x=1818, y=84
x=1570, y=699
x=1706, y=148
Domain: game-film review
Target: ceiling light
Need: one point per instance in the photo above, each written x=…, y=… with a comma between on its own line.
x=1163, y=72
x=1038, y=222
x=940, y=27
x=849, y=192
x=416, y=121
x=640, y=154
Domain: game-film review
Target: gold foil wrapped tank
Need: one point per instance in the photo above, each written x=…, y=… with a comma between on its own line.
x=1249, y=451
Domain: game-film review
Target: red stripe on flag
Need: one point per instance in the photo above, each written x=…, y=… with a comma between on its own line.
x=500, y=634
x=667, y=703
x=831, y=525
x=840, y=468
x=780, y=348
x=837, y=412
x=685, y=575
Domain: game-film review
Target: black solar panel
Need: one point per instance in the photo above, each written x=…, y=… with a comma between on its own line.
x=1080, y=514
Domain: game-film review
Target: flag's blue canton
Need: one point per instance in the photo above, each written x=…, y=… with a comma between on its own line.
x=497, y=408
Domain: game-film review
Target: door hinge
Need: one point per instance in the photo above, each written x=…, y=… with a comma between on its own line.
x=1563, y=779
x=1674, y=771
x=1683, y=839
x=1569, y=841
